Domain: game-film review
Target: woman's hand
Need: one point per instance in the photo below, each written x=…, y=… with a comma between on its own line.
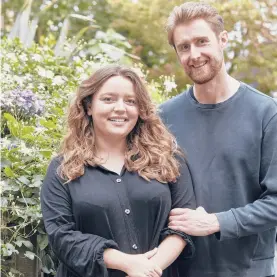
x=141, y=266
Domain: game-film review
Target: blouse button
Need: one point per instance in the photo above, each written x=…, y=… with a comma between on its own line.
x=127, y=211
x=135, y=246
x=118, y=180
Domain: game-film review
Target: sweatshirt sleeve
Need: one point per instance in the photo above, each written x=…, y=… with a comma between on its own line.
x=260, y=215
x=182, y=196
x=81, y=253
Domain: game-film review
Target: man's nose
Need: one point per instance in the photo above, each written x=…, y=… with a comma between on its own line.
x=194, y=52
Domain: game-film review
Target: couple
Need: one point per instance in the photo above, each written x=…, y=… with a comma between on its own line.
x=124, y=199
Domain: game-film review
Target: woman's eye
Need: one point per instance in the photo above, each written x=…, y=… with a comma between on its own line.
x=131, y=101
x=107, y=99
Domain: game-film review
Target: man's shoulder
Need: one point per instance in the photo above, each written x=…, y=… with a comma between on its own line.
x=174, y=103
x=256, y=95
x=263, y=105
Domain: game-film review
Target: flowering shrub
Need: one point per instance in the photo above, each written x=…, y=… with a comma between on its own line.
x=36, y=89
x=22, y=103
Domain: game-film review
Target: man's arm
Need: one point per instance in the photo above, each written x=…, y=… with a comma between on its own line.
x=253, y=218
x=260, y=215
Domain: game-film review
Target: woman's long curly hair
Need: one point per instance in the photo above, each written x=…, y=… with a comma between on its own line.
x=151, y=149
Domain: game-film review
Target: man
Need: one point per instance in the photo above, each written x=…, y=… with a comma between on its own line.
x=229, y=133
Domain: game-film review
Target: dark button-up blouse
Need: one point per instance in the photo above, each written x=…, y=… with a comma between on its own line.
x=101, y=210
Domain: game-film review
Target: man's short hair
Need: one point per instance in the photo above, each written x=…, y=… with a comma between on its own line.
x=190, y=11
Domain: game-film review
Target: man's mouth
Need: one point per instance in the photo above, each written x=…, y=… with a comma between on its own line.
x=199, y=65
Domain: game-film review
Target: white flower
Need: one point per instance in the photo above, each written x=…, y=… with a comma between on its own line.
x=12, y=57
x=41, y=86
x=23, y=57
x=6, y=67
x=59, y=80
x=40, y=129
x=169, y=85
x=83, y=76
x=30, y=86
x=79, y=69
x=37, y=57
x=139, y=72
x=76, y=8
x=24, y=150
x=19, y=80
x=76, y=59
x=45, y=73
x=5, y=142
x=49, y=74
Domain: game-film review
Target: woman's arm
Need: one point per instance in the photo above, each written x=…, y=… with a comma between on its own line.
x=81, y=253
x=132, y=265
x=173, y=242
x=168, y=251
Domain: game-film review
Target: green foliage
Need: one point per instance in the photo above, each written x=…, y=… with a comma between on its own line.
x=35, y=77
x=29, y=142
x=251, y=26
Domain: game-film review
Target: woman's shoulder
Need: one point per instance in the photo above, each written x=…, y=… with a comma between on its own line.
x=55, y=162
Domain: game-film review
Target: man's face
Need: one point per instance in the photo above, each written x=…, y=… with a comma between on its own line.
x=199, y=50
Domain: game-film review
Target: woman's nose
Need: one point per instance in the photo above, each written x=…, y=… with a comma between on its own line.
x=119, y=106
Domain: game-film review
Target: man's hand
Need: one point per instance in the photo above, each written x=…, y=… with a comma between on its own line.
x=193, y=222
x=141, y=266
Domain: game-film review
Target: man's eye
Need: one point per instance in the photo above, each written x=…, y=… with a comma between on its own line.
x=202, y=41
x=184, y=47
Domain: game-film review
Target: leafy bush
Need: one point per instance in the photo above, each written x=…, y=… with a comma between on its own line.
x=36, y=89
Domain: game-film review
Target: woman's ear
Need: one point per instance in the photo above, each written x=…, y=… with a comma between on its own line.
x=87, y=104
x=89, y=110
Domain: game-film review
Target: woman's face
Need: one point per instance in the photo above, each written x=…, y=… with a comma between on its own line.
x=114, y=109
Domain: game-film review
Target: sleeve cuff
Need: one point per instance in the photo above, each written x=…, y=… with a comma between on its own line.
x=189, y=250
x=99, y=257
x=106, y=244
x=228, y=226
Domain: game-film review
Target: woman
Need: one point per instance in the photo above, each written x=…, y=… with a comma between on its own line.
x=106, y=198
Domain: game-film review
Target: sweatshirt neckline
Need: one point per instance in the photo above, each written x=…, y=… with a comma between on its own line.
x=193, y=100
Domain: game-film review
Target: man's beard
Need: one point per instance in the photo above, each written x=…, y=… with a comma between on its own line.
x=209, y=71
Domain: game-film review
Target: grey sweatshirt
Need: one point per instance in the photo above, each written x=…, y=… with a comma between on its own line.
x=231, y=148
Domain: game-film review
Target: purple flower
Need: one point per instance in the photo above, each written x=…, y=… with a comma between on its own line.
x=21, y=103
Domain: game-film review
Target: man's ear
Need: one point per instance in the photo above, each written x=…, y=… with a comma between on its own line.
x=223, y=39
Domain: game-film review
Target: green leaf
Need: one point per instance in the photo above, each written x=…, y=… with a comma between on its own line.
x=30, y=255
x=46, y=153
x=28, y=200
x=48, y=264
x=28, y=244
x=27, y=130
x=48, y=124
x=4, y=202
x=8, y=171
x=24, y=180
x=42, y=241
x=10, y=118
x=14, y=127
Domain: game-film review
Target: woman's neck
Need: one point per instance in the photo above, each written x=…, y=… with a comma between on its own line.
x=112, y=153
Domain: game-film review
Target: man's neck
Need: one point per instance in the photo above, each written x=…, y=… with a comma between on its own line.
x=218, y=90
